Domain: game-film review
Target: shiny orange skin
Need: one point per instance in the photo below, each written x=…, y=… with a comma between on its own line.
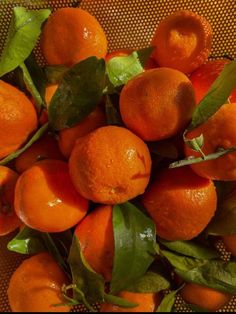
x=35, y=286
x=18, y=118
x=45, y=148
x=147, y=302
x=8, y=218
x=68, y=137
x=181, y=203
x=79, y=36
x=203, y=78
x=218, y=131
x=157, y=104
x=95, y=234
x=230, y=243
x=182, y=41
x=204, y=297
x=110, y=165
x=46, y=200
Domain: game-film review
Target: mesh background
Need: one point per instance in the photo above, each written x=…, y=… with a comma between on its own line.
x=128, y=24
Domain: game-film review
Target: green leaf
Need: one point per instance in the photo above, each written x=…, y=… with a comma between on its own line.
x=23, y=34
x=191, y=160
x=218, y=275
x=27, y=241
x=196, y=308
x=216, y=96
x=122, y=69
x=79, y=92
x=34, y=138
x=135, y=236
x=191, y=249
x=167, y=303
x=224, y=189
x=112, y=114
x=119, y=301
x=90, y=283
x=144, y=54
x=224, y=221
x=196, y=143
x=55, y=73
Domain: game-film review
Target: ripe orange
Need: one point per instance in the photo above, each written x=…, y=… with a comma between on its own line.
x=110, y=165
x=181, y=203
x=230, y=243
x=46, y=200
x=147, y=302
x=68, y=137
x=95, y=234
x=71, y=35
x=157, y=104
x=219, y=132
x=50, y=91
x=204, y=297
x=35, y=286
x=182, y=41
x=18, y=119
x=45, y=148
x=8, y=219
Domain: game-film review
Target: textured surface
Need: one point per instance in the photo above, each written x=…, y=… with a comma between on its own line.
x=128, y=24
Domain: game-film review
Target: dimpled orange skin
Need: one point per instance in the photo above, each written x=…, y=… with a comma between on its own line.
x=218, y=131
x=45, y=148
x=95, y=234
x=157, y=104
x=71, y=35
x=230, y=243
x=147, y=302
x=181, y=203
x=35, y=286
x=204, y=297
x=8, y=218
x=46, y=200
x=68, y=137
x=111, y=165
x=182, y=41
x=18, y=118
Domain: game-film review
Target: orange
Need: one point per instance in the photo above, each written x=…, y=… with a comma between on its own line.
x=45, y=148
x=218, y=131
x=18, y=119
x=71, y=35
x=204, y=297
x=68, y=137
x=35, y=286
x=8, y=219
x=182, y=41
x=110, y=165
x=147, y=302
x=203, y=78
x=181, y=203
x=46, y=200
x=95, y=234
x=50, y=91
x=230, y=243
x=157, y=104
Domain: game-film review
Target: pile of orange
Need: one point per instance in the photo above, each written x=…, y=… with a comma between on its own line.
x=51, y=185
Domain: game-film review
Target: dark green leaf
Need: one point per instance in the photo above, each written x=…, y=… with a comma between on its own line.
x=191, y=249
x=216, y=96
x=55, y=73
x=217, y=275
x=191, y=160
x=167, y=303
x=135, y=236
x=119, y=301
x=27, y=241
x=24, y=31
x=86, y=280
x=34, y=138
x=79, y=92
x=197, y=309
x=112, y=114
x=144, y=54
x=224, y=221
x=223, y=189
